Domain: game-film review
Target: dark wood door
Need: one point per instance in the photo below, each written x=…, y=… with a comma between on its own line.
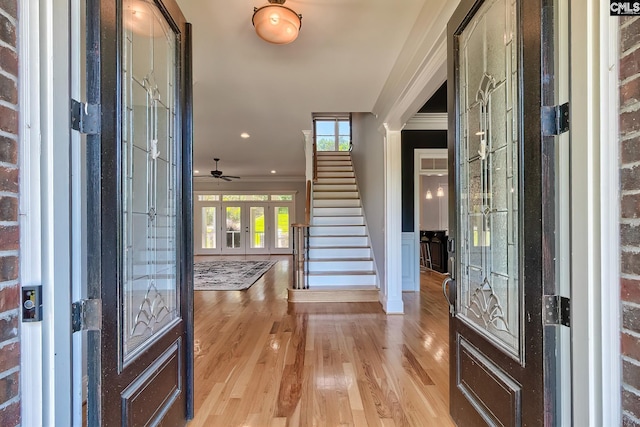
x=139, y=213
x=501, y=354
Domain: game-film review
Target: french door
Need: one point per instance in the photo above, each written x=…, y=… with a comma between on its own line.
x=139, y=213
x=242, y=228
x=502, y=352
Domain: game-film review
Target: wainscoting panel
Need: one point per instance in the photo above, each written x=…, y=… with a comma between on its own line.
x=410, y=263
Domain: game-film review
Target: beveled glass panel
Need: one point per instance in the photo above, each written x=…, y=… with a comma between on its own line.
x=489, y=289
x=149, y=287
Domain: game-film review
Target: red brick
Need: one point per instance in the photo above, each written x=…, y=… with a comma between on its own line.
x=630, y=150
x=630, y=263
x=630, y=290
x=8, y=208
x=9, y=61
x=630, y=92
x=9, y=269
x=10, y=6
x=630, y=206
x=631, y=319
x=9, y=328
x=631, y=374
x=9, y=180
x=630, y=36
x=9, y=357
x=7, y=31
x=630, y=346
x=9, y=238
x=10, y=298
x=8, y=119
x=630, y=65
x=629, y=235
x=629, y=122
x=8, y=150
x=631, y=403
x=630, y=177
x=9, y=387
x=10, y=416
x=8, y=90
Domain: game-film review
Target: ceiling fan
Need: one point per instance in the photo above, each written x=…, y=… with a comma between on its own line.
x=218, y=173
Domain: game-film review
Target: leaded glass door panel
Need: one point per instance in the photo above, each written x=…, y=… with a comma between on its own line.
x=498, y=344
x=139, y=212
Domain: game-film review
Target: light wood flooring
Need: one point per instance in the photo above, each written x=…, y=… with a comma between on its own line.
x=260, y=361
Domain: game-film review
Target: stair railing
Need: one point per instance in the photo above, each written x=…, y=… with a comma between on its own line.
x=315, y=163
x=301, y=246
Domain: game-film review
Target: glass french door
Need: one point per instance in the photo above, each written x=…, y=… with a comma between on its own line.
x=244, y=228
x=207, y=240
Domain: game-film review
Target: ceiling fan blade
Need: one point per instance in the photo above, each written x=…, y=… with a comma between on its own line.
x=231, y=176
x=225, y=178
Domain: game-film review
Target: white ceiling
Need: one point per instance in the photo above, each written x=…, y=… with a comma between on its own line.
x=339, y=63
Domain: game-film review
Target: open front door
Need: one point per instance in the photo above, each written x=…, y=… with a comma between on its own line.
x=502, y=354
x=139, y=212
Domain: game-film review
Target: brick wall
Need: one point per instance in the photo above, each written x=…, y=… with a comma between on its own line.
x=9, y=231
x=630, y=217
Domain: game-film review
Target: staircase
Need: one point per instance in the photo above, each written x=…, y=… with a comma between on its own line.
x=341, y=267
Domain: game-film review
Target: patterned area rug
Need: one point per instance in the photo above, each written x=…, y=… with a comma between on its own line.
x=228, y=275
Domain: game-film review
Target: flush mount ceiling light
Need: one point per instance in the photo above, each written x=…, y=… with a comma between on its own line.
x=276, y=23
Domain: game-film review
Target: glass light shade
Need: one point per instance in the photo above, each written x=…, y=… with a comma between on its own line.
x=276, y=23
x=429, y=195
x=440, y=192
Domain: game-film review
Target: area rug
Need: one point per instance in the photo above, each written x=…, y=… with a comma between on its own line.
x=228, y=275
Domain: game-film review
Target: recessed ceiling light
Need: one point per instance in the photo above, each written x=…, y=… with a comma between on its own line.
x=273, y=171
x=196, y=171
x=244, y=135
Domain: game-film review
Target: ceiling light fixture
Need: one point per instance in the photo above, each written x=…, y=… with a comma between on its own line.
x=429, y=195
x=440, y=192
x=276, y=23
x=196, y=171
x=244, y=135
x=273, y=171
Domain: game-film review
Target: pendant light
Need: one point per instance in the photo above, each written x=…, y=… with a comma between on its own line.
x=429, y=195
x=440, y=192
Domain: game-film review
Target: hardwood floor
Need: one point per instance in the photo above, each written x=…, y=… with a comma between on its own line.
x=260, y=361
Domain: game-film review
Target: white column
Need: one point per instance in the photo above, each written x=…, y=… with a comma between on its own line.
x=391, y=297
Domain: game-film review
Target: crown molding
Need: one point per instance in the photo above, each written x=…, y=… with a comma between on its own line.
x=427, y=121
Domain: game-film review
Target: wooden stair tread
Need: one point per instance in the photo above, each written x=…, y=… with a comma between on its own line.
x=334, y=294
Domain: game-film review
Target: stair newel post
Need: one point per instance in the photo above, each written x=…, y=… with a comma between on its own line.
x=306, y=256
x=299, y=255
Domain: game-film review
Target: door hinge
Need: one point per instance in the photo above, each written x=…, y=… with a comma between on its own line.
x=555, y=119
x=86, y=315
x=85, y=118
x=556, y=310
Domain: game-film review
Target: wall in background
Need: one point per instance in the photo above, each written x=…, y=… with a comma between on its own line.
x=434, y=212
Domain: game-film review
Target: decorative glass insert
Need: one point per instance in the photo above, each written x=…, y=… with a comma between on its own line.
x=208, y=198
x=256, y=226
x=209, y=227
x=149, y=287
x=233, y=215
x=490, y=294
x=282, y=226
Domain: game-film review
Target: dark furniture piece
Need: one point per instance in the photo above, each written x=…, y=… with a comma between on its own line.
x=437, y=241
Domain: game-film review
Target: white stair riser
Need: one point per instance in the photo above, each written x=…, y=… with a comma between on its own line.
x=334, y=169
x=342, y=280
x=351, y=230
x=338, y=220
x=333, y=265
x=325, y=181
x=336, y=203
x=339, y=174
x=319, y=211
x=334, y=162
x=343, y=253
x=335, y=187
x=337, y=241
x=320, y=195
